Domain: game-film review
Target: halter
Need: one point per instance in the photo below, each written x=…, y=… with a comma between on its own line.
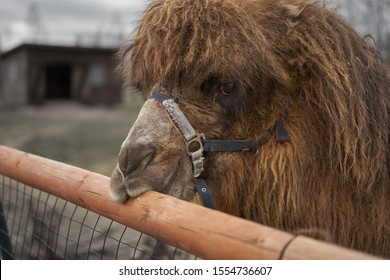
x=196, y=143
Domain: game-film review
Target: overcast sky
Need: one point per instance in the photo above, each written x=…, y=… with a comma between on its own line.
x=91, y=22
x=66, y=21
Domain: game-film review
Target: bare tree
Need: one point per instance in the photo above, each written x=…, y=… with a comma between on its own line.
x=377, y=11
x=35, y=23
x=117, y=31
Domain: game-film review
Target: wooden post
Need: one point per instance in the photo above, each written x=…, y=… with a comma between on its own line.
x=206, y=233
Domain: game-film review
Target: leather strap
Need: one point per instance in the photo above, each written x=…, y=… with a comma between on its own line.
x=188, y=132
x=204, y=192
x=230, y=145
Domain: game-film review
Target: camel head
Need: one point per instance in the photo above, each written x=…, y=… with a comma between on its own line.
x=211, y=60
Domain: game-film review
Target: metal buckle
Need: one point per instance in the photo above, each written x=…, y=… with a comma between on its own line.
x=195, y=150
x=195, y=145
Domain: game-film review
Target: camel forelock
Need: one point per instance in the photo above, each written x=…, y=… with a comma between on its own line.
x=189, y=41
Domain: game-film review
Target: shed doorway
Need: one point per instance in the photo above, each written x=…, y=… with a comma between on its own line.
x=58, y=81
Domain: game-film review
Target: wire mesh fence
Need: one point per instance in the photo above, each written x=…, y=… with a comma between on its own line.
x=51, y=210
x=39, y=225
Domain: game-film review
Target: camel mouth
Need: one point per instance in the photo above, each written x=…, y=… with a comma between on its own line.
x=153, y=178
x=140, y=189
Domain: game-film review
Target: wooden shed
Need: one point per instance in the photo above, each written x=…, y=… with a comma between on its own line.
x=32, y=74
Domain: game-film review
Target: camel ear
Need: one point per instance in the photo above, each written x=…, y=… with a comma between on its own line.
x=294, y=10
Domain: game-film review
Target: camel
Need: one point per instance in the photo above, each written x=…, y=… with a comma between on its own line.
x=275, y=111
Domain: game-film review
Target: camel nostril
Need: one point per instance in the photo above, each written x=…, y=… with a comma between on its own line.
x=136, y=159
x=146, y=160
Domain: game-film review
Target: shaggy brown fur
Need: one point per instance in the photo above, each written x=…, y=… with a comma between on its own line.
x=291, y=58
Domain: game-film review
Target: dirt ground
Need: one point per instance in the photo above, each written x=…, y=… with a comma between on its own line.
x=85, y=136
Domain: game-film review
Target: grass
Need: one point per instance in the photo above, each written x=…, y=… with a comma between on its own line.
x=83, y=136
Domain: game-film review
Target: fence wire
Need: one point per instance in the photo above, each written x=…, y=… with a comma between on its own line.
x=37, y=225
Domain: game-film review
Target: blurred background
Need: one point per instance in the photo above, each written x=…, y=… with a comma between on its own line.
x=59, y=96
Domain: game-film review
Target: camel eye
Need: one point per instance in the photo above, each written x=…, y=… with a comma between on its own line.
x=228, y=89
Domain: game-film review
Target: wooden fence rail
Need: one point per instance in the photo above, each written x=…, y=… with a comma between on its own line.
x=208, y=234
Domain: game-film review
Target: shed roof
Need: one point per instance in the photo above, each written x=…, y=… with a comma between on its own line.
x=59, y=48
